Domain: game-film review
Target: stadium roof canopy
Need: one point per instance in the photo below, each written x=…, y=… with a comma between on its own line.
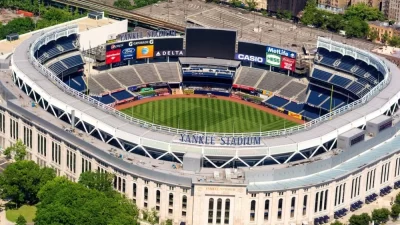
x=209, y=61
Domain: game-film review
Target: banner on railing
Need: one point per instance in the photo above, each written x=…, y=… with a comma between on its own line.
x=295, y=115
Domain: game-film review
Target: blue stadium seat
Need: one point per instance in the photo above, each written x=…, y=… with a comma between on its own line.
x=106, y=99
x=277, y=101
x=355, y=87
x=328, y=58
x=340, y=81
x=55, y=48
x=311, y=112
x=294, y=107
x=321, y=75
x=121, y=95
x=337, y=101
x=75, y=82
x=346, y=63
x=317, y=95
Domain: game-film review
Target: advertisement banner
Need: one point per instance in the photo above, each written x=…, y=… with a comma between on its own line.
x=113, y=56
x=128, y=53
x=288, y=63
x=295, y=115
x=282, y=52
x=169, y=53
x=273, y=60
x=250, y=58
x=145, y=51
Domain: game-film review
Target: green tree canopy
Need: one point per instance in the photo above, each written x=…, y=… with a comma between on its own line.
x=18, y=150
x=373, y=35
x=68, y=203
x=362, y=219
x=97, y=181
x=151, y=216
x=20, y=220
x=397, y=199
x=336, y=222
x=356, y=28
x=124, y=4
x=363, y=12
x=21, y=181
x=394, y=41
x=380, y=215
x=310, y=11
x=395, y=211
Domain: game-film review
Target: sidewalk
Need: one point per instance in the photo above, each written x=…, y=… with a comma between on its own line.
x=381, y=202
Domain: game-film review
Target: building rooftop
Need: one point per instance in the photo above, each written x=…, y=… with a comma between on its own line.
x=388, y=50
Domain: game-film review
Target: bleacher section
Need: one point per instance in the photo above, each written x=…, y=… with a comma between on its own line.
x=294, y=107
x=106, y=81
x=273, y=81
x=292, y=89
x=106, y=99
x=317, y=95
x=276, y=101
x=168, y=72
x=122, y=95
x=249, y=76
x=147, y=72
x=75, y=82
x=94, y=87
x=126, y=76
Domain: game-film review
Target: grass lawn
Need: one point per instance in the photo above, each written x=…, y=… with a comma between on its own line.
x=27, y=211
x=205, y=114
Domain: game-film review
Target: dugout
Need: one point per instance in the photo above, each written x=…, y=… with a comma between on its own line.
x=378, y=124
x=12, y=37
x=350, y=138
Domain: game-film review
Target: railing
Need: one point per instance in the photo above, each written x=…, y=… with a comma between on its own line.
x=59, y=32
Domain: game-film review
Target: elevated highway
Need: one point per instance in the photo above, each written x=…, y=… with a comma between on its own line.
x=96, y=6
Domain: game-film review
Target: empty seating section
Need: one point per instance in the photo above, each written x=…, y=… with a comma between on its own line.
x=75, y=82
x=328, y=58
x=321, y=75
x=292, y=89
x=126, y=76
x=249, y=76
x=340, y=81
x=121, y=95
x=294, y=107
x=56, y=48
x=147, y=73
x=94, y=87
x=106, y=81
x=277, y=101
x=106, y=99
x=273, y=81
x=317, y=95
x=337, y=101
x=67, y=63
x=302, y=96
x=168, y=72
x=355, y=87
x=346, y=63
x=311, y=112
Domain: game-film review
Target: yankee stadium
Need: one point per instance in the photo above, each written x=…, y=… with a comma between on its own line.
x=206, y=126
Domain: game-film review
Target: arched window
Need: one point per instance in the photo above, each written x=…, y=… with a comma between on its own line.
x=252, y=210
x=171, y=199
x=134, y=188
x=227, y=211
x=115, y=182
x=158, y=197
x=316, y=202
x=119, y=183
x=305, y=205
x=123, y=185
x=184, y=202
x=210, y=210
x=266, y=209
x=326, y=198
x=146, y=193
x=292, y=206
x=280, y=203
x=219, y=210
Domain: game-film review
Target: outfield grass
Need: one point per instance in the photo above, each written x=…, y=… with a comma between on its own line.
x=205, y=114
x=27, y=211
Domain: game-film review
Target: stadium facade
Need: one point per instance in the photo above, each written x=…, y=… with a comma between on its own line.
x=313, y=190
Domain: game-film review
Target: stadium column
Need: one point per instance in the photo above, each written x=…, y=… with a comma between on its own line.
x=128, y=187
x=63, y=158
x=48, y=148
x=78, y=164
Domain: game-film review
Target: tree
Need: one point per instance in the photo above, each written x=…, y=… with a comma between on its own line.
x=167, y=222
x=380, y=215
x=395, y=211
x=97, y=181
x=310, y=11
x=251, y=4
x=397, y=199
x=236, y=3
x=394, y=41
x=123, y=4
x=373, y=35
x=363, y=12
x=362, y=219
x=68, y=203
x=20, y=220
x=337, y=223
x=356, y=28
x=385, y=37
x=22, y=180
x=18, y=150
x=335, y=22
x=150, y=216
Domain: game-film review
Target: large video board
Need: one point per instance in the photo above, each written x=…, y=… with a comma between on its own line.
x=143, y=49
x=264, y=54
x=202, y=42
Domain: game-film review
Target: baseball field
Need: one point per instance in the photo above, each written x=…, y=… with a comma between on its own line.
x=207, y=114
